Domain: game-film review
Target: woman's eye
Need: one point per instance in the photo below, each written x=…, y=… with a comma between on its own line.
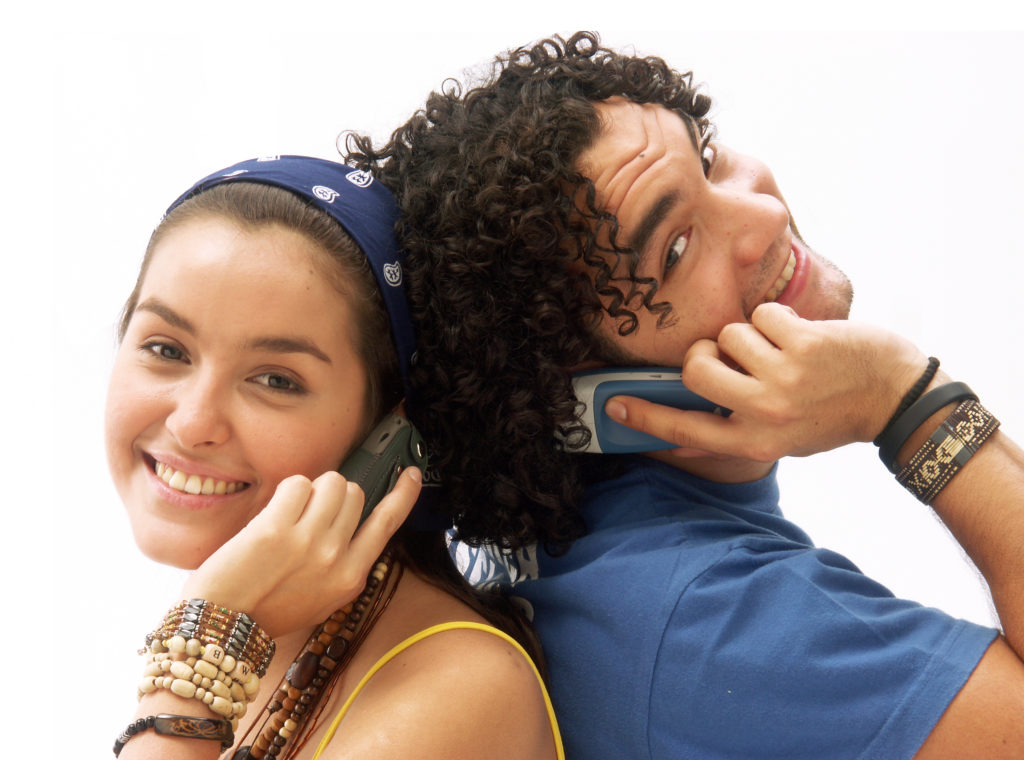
x=707, y=158
x=278, y=382
x=164, y=351
x=675, y=253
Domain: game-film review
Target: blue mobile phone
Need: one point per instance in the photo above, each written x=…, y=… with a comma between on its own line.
x=662, y=385
x=391, y=447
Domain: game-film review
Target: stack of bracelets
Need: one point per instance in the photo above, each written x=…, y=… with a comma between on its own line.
x=208, y=653
x=215, y=655
x=948, y=448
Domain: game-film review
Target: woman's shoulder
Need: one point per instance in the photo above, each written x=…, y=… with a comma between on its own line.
x=449, y=686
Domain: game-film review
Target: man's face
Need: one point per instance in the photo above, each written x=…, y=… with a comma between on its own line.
x=718, y=238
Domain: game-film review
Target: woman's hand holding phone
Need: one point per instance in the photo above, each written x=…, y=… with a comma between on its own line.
x=305, y=554
x=795, y=387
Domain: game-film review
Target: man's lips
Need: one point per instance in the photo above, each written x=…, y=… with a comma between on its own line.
x=783, y=280
x=798, y=279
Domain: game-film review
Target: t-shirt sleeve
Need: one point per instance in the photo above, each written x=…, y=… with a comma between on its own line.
x=791, y=652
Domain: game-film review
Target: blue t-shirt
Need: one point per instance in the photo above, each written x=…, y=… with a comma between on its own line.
x=694, y=621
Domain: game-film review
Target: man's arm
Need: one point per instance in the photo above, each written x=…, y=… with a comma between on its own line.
x=983, y=507
x=804, y=387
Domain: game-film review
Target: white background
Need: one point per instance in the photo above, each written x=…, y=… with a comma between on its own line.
x=899, y=153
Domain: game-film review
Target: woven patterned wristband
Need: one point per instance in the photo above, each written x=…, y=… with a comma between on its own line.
x=892, y=440
x=947, y=450
x=182, y=726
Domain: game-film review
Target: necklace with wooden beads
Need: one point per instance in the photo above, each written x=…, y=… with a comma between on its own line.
x=292, y=714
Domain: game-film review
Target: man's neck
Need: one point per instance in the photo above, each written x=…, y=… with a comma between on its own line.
x=725, y=470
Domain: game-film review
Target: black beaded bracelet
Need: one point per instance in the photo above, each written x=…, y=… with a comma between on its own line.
x=892, y=439
x=911, y=396
x=182, y=726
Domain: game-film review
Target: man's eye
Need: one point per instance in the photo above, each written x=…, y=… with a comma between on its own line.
x=675, y=253
x=707, y=158
x=164, y=351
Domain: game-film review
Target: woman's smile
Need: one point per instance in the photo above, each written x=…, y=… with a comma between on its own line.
x=223, y=385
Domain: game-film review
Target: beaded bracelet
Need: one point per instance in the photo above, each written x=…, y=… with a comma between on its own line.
x=892, y=440
x=947, y=450
x=910, y=396
x=217, y=680
x=183, y=726
x=236, y=632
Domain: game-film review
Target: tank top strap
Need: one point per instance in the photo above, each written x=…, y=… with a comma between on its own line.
x=425, y=633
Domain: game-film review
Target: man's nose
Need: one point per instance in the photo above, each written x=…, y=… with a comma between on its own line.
x=200, y=414
x=750, y=223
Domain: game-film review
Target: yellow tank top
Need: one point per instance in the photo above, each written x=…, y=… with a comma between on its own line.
x=463, y=624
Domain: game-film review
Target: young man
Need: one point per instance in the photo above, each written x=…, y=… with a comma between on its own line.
x=574, y=212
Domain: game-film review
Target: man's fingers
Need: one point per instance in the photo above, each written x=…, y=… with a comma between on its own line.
x=776, y=321
x=701, y=431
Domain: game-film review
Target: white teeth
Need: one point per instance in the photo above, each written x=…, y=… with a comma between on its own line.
x=784, y=278
x=194, y=484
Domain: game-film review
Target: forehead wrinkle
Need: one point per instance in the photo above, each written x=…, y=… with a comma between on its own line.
x=633, y=154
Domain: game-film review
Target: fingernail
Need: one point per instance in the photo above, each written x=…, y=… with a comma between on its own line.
x=616, y=410
x=414, y=473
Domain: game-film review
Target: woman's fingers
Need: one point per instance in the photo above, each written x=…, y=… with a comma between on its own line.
x=386, y=518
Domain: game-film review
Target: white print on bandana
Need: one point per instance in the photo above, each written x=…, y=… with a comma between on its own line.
x=393, y=274
x=324, y=193
x=360, y=178
x=487, y=567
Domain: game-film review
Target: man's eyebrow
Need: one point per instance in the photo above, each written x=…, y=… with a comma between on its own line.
x=167, y=314
x=641, y=236
x=287, y=345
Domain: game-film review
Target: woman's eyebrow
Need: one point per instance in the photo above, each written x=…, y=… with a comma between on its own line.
x=277, y=344
x=167, y=314
x=281, y=344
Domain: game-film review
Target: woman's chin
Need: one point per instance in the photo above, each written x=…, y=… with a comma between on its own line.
x=163, y=549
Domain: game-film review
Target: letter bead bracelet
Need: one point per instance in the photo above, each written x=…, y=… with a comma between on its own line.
x=207, y=653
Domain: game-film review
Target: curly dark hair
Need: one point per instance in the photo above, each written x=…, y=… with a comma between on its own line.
x=497, y=219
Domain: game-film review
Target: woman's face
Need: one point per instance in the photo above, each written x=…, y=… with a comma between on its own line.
x=238, y=369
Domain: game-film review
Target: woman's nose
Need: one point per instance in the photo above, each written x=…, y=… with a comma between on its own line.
x=199, y=416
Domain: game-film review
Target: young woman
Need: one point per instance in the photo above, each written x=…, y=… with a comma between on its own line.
x=266, y=336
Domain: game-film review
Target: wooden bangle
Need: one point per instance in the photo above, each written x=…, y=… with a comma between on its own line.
x=182, y=726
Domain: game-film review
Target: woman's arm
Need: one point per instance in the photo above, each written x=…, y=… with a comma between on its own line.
x=295, y=563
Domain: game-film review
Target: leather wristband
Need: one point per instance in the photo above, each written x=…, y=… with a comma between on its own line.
x=911, y=396
x=893, y=438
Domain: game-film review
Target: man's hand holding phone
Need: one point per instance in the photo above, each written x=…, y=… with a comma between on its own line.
x=795, y=388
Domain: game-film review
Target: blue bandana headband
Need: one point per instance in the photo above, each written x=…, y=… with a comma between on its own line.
x=362, y=206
